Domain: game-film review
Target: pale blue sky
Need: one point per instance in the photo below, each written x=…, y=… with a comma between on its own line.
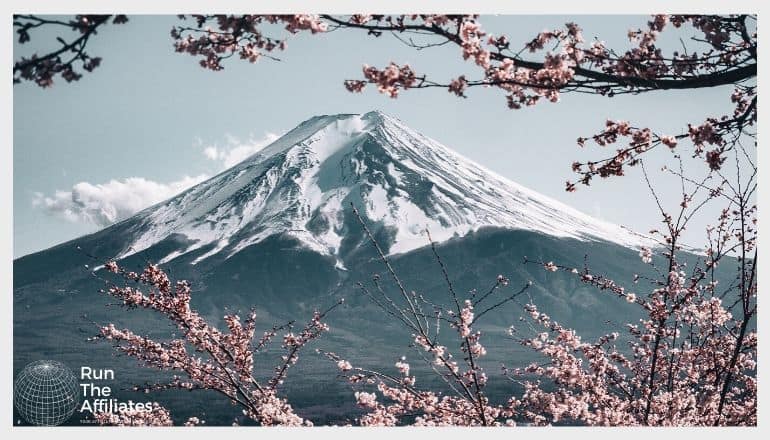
x=148, y=112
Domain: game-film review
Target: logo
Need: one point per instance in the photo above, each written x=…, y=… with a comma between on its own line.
x=46, y=393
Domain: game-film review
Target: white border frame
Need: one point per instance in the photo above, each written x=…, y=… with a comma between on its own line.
x=584, y=7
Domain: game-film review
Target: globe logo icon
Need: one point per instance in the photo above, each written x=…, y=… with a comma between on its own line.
x=46, y=393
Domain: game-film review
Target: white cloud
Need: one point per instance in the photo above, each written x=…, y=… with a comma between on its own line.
x=211, y=153
x=236, y=151
x=105, y=203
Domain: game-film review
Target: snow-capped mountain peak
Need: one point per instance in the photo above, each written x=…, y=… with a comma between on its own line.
x=302, y=186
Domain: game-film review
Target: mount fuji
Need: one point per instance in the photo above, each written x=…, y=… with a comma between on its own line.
x=277, y=232
x=303, y=184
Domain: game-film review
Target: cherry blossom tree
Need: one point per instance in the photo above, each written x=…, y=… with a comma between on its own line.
x=205, y=357
x=691, y=360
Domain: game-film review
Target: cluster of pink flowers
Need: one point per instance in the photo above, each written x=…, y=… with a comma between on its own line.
x=525, y=85
x=388, y=80
x=598, y=384
x=344, y=365
x=472, y=37
x=645, y=254
x=303, y=22
x=431, y=409
x=669, y=141
x=704, y=134
x=238, y=35
x=458, y=85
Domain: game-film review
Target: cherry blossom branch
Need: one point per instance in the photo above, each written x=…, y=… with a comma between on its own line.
x=227, y=366
x=42, y=69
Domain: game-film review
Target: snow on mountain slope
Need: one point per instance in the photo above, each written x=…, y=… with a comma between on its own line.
x=302, y=183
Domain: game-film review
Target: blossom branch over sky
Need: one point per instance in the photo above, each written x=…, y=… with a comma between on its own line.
x=721, y=51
